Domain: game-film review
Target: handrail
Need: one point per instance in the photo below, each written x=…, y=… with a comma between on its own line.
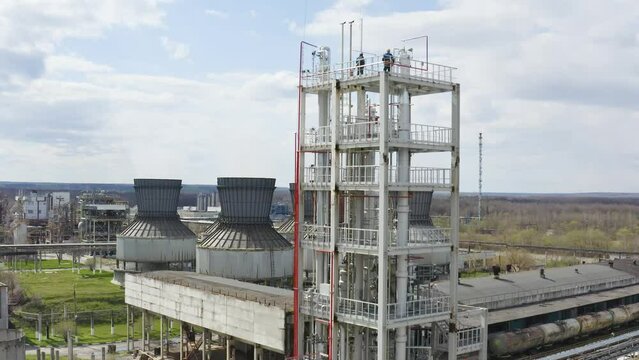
x=317, y=136
x=419, y=307
x=374, y=65
x=362, y=310
x=317, y=235
x=501, y=301
x=369, y=175
x=368, y=238
x=317, y=174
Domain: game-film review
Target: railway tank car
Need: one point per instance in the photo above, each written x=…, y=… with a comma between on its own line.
x=519, y=341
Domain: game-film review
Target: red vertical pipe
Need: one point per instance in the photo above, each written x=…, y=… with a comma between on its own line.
x=296, y=215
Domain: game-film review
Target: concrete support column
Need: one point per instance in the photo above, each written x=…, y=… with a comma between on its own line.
x=342, y=342
x=204, y=344
x=92, y=327
x=128, y=320
x=454, y=225
x=39, y=327
x=144, y=330
x=182, y=341
x=483, y=352
x=258, y=352
x=230, y=348
x=69, y=345
x=161, y=336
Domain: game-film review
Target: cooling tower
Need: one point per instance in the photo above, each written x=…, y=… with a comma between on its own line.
x=419, y=204
x=243, y=244
x=156, y=237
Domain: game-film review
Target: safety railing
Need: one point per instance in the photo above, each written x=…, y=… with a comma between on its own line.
x=318, y=137
x=369, y=175
x=359, y=174
x=318, y=175
x=358, y=132
x=357, y=309
x=314, y=303
x=367, y=239
x=357, y=238
x=419, y=352
x=317, y=236
x=469, y=339
x=422, y=176
x=501, y=301
x=418, y=308
x=414, y=69
x=429, y=134
x=423, y=237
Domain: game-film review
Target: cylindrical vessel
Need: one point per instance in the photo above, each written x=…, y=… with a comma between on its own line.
x=516, y=341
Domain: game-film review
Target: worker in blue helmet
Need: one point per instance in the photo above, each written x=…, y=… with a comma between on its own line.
x=388, y=59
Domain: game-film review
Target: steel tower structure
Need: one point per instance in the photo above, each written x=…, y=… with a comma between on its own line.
x=357, y=293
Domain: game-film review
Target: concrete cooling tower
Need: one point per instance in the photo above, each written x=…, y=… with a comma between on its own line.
x=156, y=239
x=243, y=244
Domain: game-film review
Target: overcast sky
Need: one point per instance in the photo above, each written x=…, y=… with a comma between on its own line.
x=109, y=90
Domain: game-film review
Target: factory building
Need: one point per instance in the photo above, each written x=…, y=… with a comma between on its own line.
x=529, y=312
x=102, y=216
x=156, y=239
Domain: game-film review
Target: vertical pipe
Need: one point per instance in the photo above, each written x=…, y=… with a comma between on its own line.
x=382, y=252
x=334, y=218
x=403, y=171
x=454, y=223
x=298, y=338
x=361, y=35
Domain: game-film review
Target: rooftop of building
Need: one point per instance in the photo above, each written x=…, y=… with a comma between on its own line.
x=267, y=295
x=527, y=281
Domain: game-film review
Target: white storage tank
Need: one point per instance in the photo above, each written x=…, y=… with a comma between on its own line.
x=243, y=244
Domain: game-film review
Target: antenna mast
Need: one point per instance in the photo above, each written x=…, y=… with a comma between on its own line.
x=480, y=175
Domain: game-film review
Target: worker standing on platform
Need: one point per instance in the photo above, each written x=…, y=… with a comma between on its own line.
x=388, y=60
x=360, y=62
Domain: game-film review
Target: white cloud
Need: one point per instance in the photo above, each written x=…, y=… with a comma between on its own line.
x=175, y=49
x=29, y=25
x=553, y=85
x=217, y=13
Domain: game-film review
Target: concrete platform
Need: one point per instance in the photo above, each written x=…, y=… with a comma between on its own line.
x=253, y=314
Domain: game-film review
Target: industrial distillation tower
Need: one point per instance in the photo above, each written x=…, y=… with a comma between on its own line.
x=359, y=298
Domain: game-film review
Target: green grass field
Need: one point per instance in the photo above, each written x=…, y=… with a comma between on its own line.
x=55, y=289
x=93, y=293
